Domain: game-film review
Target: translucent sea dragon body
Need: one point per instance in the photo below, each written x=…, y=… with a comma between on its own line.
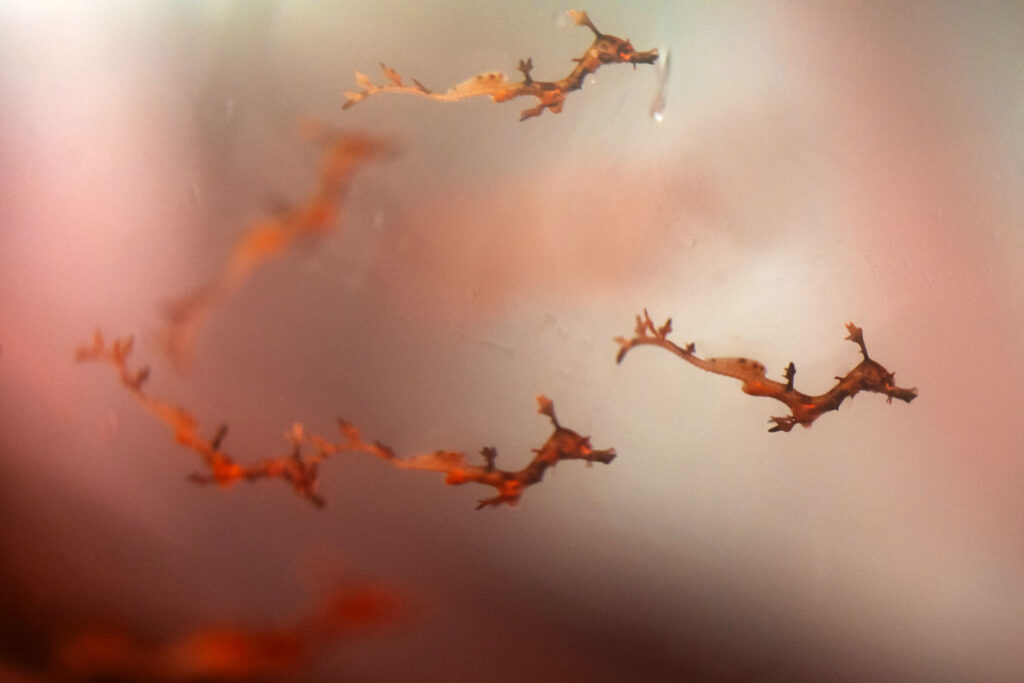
x=605, y=49
x=301, y=466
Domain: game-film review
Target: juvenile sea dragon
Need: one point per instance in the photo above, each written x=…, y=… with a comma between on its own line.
x=869, y=375
x=605, y=49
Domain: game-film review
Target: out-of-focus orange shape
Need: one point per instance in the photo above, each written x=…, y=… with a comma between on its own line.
x=232, y=653
x=360, y=607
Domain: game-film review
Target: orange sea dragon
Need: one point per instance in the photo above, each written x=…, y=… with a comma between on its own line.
x=605, y=49
x=869, y=375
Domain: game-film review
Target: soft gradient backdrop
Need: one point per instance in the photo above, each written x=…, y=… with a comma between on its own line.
x=817, y=163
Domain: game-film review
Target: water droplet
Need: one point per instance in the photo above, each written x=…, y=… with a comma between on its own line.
x=657, y=107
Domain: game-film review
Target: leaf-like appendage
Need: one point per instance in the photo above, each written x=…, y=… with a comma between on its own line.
x=391, y=75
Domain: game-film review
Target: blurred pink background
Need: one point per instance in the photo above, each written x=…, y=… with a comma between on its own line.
x=817, y=163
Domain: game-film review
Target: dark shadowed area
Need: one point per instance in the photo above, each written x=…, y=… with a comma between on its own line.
x=811, y=164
